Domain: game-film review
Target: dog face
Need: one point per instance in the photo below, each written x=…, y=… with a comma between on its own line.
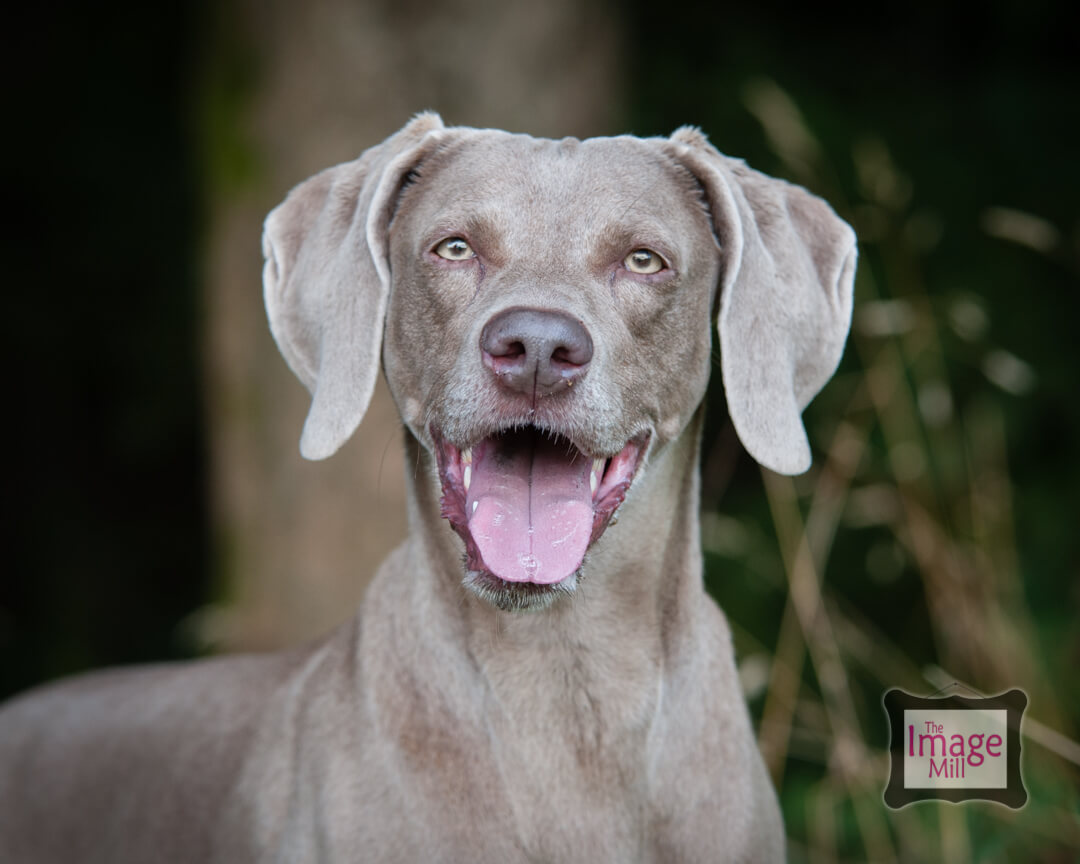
x=547, y=309
x=548, y=322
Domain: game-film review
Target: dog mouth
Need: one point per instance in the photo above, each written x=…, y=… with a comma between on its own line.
x=528, y=503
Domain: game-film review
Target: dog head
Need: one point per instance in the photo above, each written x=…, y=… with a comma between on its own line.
x=543, y=312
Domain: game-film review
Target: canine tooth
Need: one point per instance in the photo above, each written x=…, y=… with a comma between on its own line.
x=475, y=504
x=467, y=478
x=466, y=456
x=592, y=482
x=598, y=466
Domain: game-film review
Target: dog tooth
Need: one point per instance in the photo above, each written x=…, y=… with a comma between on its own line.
x=467, y=477
x=466, y=456
x=592, y=482
x=475, y=504
x=598, y=466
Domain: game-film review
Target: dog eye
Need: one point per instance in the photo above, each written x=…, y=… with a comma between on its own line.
x=454, y=249
x=644, y=261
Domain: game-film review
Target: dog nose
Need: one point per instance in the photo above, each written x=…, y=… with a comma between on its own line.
x=536, y=350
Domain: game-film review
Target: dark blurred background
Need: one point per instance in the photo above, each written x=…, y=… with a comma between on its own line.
x=157, y=507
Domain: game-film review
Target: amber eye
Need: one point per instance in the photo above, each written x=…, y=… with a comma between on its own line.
x=644, y=261
x=454, y=249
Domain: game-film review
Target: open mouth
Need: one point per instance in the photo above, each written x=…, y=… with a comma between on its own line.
x=528, y=504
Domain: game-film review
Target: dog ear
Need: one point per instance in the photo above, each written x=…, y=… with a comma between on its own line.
x=786, y=295
x=326, y=280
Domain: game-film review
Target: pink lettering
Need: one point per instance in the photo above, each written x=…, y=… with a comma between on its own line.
x=933, y=744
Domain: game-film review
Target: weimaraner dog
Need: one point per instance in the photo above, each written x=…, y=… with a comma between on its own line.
x=526, y=681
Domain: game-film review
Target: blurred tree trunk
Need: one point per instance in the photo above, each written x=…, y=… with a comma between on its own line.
x=288, y=89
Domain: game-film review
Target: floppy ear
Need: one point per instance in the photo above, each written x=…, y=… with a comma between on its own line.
x=326, y=280
x=786, y=295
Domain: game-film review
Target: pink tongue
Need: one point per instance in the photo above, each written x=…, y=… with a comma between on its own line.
x=529, y=507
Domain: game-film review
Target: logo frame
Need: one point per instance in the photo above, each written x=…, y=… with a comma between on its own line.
x=896, y=701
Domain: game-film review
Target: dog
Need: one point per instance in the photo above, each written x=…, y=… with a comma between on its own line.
x=526, y=681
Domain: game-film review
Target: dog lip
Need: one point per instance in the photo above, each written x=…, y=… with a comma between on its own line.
x=450, y=455
x=455, y=467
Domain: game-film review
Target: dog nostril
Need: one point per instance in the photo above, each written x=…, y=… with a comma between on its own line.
x=576, y=351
